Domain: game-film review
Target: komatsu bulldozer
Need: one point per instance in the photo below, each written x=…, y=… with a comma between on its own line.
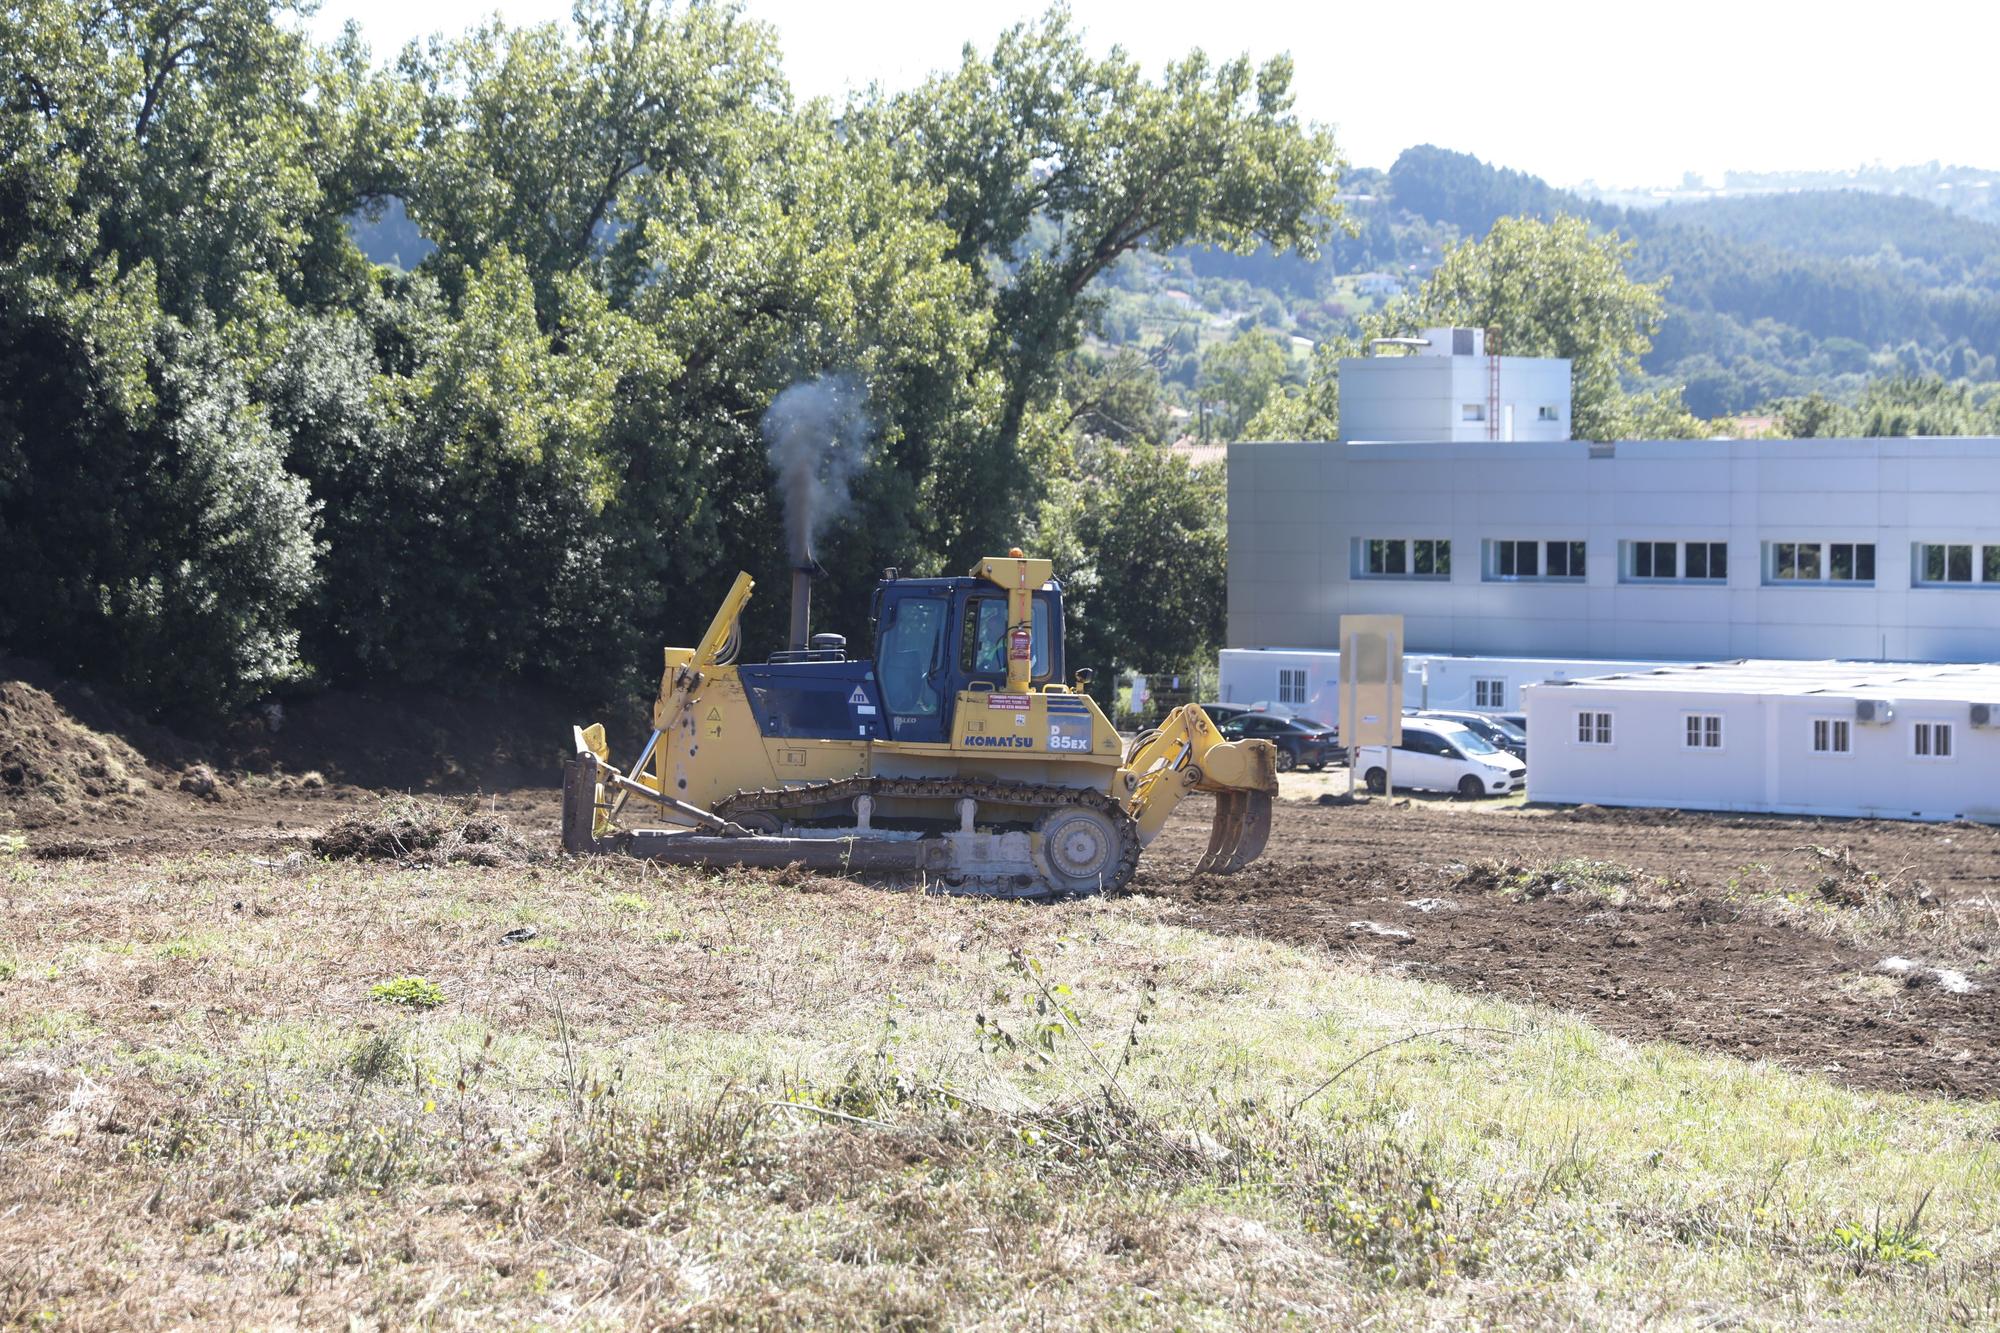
x=958, y=755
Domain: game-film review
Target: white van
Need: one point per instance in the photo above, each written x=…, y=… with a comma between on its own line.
x=1437, y=755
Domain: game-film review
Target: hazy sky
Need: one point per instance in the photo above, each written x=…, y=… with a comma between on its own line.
x=1630, y=94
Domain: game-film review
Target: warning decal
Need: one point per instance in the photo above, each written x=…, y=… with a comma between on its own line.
x=1009, y=702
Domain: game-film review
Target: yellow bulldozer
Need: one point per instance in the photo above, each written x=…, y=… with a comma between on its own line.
x=959, y=755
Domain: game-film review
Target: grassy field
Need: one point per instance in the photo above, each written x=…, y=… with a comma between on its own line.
x=279, y=1090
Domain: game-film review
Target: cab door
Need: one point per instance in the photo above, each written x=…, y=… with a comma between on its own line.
x=912, y=663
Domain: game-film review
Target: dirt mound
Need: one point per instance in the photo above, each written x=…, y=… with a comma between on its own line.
x=51, y=764
x=413, y=830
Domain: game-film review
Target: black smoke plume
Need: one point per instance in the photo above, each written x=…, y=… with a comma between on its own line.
x=817, y=431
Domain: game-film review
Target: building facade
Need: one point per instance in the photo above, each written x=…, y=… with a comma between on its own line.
x=1897, y=741
x=1646, y=551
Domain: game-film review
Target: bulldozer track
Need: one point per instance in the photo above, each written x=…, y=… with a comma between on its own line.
x=1037, y=796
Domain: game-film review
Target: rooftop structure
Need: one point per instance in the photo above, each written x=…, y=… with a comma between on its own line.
x=1452, y=385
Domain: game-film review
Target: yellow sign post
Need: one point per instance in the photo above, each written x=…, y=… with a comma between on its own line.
x=1371, y=690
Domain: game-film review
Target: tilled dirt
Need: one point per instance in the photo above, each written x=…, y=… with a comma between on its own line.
x=1693, y=950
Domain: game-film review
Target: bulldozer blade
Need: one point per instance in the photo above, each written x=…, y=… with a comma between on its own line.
x=1255, y=830
x=1224, y=834
x=839, y=854
x=579, y=808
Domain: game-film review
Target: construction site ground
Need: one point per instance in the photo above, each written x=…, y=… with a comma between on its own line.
x=282, y=1046
x=1760, y=937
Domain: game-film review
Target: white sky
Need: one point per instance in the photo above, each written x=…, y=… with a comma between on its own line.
x=1625, y=92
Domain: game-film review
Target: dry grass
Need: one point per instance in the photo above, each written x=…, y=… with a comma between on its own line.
x=768, y=1100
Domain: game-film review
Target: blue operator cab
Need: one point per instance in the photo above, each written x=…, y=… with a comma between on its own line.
x=933, y=639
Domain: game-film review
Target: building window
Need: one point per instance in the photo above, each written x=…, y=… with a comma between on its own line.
x=1796, y=561
x=1472, y=412
x=1291, y=685
x=1708, y=560
x=1946, y=563
x=1931, y=740
x=1657, y=562
x=1511, y=560
x=1565, y=560
x=1548, y=412
x=1593, y=728
x=1517, y=560
x=1819, y=562
x=1654, y=560
x=1704, y=731
x=1489, y=692
x=1851, y=562
x=1831, y=736
x=1400, y=558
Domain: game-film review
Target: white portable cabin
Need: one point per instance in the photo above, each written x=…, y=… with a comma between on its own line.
x=1898, y=741
x=1307, y=680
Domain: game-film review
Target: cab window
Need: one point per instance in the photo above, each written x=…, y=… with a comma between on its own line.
x=983, y=646
x=909, y=653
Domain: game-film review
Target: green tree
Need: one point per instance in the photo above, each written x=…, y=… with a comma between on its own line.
x=1139, y=537
x=1117, y=397
x=1040, y=131
x=1895, y=406
x=157, y=208
x=1310, y=411
x=560, y=146
x=1237, y=378
x=1556, y=289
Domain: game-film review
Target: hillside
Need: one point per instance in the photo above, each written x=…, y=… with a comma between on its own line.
x=1771, y=295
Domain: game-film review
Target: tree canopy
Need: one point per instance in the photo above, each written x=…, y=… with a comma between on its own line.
x=1557, y=289
x=236, y=456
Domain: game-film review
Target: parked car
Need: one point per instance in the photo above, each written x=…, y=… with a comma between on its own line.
x=1437, y=755
x=1219, y=713
x=1300, y=740
x=1498, y=730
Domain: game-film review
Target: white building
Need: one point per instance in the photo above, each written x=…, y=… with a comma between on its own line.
x=1307, y=680
x=1448, y=388
x=1516, y=562
x=1884, y=549
x=1811, y=738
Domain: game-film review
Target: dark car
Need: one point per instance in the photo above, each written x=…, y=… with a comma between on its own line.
x=1495, y=729
x=1300, y=740
x=1221, y=713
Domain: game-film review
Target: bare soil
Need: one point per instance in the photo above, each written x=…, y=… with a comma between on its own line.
x=1757, y=937
x=1705, y=946
x=1726, y=933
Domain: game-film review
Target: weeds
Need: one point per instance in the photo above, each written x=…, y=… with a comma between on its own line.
x=1892, y=1244
x=1606, y=880
x=416, y=992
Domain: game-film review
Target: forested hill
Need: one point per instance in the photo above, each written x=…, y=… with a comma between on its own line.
x=1771, y=296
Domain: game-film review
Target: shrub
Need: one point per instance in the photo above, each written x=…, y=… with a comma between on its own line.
x=416, y=992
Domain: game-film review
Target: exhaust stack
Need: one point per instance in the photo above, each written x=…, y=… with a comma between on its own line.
x=802, y=597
